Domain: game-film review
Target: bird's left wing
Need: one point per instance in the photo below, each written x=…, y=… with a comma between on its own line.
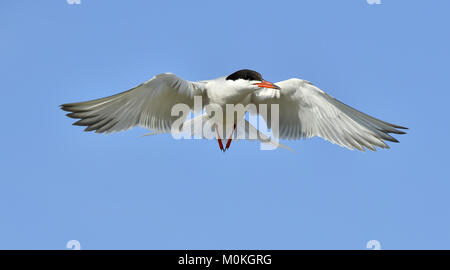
x=307, y=111
x=147, y=105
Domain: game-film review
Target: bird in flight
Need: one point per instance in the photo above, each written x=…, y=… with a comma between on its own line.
x=304, y=110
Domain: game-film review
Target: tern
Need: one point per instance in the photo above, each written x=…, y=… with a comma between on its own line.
x=305, y=110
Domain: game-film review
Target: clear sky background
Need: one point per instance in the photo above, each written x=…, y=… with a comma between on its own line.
x=120, y=191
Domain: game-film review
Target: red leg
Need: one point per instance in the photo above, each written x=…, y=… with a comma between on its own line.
x=230, y=139
x=218, y=138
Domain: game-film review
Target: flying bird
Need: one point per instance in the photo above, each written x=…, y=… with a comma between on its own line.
x=304, y=110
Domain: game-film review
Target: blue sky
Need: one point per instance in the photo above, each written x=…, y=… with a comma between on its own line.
x=124, y=192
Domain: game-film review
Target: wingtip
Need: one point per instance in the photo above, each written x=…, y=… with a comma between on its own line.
x=394, y=140
x=71, y=115
x=398, y=132
x=65, y=107
x=401, y=127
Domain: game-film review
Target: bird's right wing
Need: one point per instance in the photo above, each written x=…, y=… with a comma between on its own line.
x=147, y=105
x=307, y=111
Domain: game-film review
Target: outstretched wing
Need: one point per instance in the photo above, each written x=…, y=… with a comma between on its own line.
x=147, y=105
x=306, y=111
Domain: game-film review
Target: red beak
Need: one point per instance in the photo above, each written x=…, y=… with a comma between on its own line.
x=266, y=84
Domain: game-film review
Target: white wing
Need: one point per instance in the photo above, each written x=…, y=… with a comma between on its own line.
x=307, y=111
x=147, y=105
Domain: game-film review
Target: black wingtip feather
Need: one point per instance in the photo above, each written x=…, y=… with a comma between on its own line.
x=65, y=108
x=394, y=141
x=399, y=132
x=400, y=127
